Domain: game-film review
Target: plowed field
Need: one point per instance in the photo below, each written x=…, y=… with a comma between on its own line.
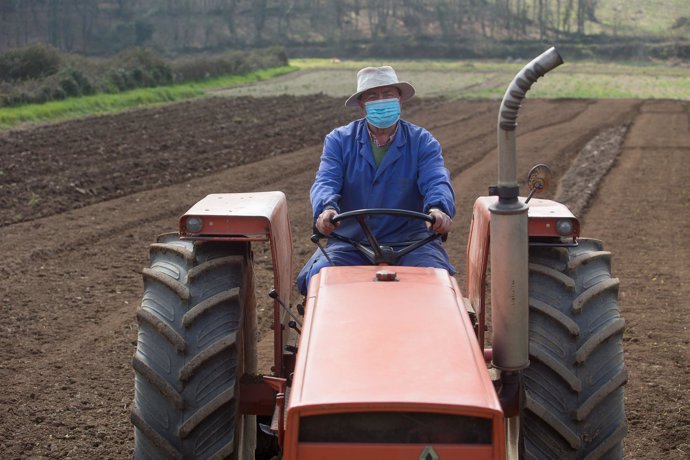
x=82, y=200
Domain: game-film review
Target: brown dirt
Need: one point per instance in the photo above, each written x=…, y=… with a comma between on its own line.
x=81, y=201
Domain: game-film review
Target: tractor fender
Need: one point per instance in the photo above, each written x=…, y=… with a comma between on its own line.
x=256, y=216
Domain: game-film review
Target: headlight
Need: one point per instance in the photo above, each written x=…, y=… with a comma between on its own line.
x=564, y=227
x=193, y=224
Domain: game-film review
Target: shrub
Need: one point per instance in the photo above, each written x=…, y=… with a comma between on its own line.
x=35, y=61
x=681, y=22
x=137, y=68
x=119, y=77
x=71, y=75
x=75, y=83
x=69, y=86
x=202, y=67
x=45, y=94
x=58, y=94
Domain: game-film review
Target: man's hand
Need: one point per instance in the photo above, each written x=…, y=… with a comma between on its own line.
x=442, y=223
x=323, y=222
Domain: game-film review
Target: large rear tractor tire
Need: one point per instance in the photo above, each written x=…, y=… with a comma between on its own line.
x=574, y=385
x=197, y=328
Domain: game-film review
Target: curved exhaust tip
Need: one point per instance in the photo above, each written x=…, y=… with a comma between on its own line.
x=507, y=119
x=549, y=59
x=522, y=82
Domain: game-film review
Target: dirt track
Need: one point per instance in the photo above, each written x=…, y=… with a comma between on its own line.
x=82, y=200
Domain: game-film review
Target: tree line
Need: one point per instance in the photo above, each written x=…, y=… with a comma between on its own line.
x=173, y=26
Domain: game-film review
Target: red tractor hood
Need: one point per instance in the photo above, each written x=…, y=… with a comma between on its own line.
x=389, y=345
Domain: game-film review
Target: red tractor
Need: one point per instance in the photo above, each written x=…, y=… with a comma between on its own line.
x=389, y=361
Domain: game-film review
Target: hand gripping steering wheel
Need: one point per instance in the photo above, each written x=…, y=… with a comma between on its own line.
x=377, y=253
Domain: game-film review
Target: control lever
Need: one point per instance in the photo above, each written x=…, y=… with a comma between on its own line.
x=293, y=325
x=316, y=240
x=274, y=295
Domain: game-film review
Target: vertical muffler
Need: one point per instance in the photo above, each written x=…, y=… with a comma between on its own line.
x=508, y=234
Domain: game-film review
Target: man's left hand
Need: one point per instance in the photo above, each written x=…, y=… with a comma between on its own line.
x=443, y=221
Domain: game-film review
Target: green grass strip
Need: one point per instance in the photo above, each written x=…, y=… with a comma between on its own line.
x=485, y=79
x=98, y=104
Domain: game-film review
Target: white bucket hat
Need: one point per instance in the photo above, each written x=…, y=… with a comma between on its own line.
x=375, y=77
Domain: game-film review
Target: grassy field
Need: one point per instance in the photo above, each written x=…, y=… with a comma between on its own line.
x=453, y=79
x=110, y=103
x=488, y=79
x=641, y=17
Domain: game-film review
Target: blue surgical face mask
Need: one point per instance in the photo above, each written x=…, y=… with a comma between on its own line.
x=383, y=113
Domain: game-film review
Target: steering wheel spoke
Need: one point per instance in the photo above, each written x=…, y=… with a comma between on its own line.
x=407, y=249
x=366, y=252
x=377, y=253
x=373, y=242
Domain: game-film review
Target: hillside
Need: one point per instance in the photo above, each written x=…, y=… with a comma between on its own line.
x=428, y=28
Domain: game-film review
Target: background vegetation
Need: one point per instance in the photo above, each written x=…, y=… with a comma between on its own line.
x=454, y=79
x=481, y=79
x=620, y=29
x=38, y=73
x=64, y=58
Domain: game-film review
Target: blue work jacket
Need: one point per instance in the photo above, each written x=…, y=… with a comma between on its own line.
x=412, y=176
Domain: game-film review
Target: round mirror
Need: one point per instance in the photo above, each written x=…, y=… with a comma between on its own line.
x=538, y=179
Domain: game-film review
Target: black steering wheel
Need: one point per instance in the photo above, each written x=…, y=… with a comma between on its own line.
x=377, y=253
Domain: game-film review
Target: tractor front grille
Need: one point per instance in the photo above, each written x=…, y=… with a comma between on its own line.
x=395, y=427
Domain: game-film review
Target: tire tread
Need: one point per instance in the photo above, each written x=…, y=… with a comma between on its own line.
x=191, y=353
x=574, y=388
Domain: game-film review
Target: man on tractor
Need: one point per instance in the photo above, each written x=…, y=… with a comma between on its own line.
x=376, y=162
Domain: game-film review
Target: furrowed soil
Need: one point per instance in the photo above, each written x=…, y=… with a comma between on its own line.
x=81, y=201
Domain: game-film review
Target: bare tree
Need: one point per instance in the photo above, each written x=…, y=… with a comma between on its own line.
x=87, y=12
x=259, y=10
x=178, y=24
x=581, y=16
x=541, y=17
x=379, y=14
x=230, y=14
x=567, y=16
x=412, y=14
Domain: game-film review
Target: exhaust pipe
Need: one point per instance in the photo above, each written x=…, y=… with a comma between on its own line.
x=508, y=234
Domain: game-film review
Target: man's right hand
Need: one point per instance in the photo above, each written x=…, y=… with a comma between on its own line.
x=323, y=222
x=442, y=221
